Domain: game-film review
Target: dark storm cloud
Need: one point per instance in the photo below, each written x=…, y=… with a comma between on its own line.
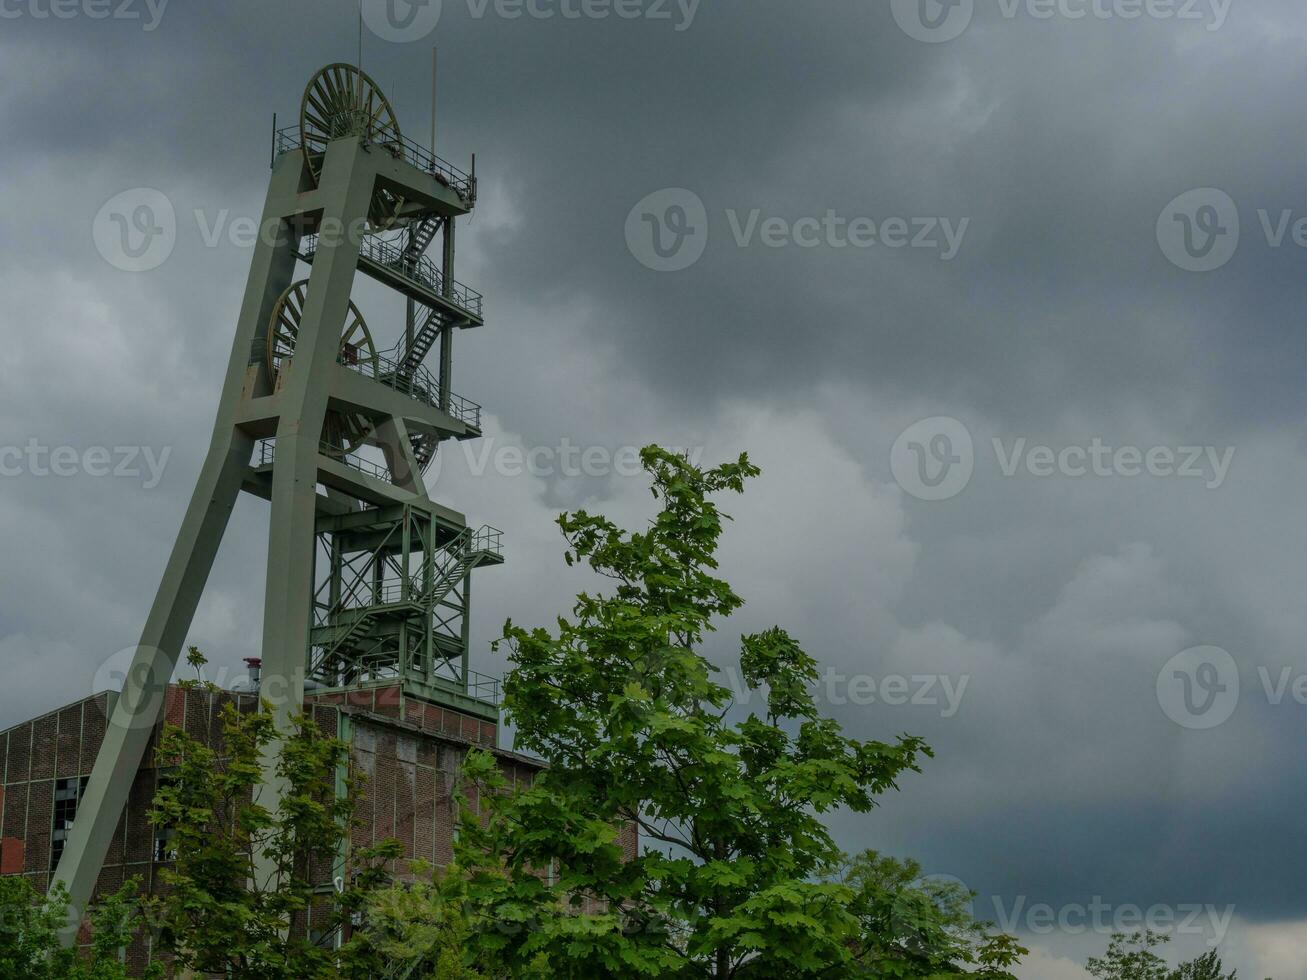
x=1059, y=142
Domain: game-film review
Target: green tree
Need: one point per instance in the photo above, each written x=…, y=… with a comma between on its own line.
x=1206, y=967
x=915, y=926
x=422, y=928
x=29, y=934
x=223, y=910
x=1130, y=956
x=741, y=878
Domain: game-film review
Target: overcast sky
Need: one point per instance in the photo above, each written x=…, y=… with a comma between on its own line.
x=1004, y=297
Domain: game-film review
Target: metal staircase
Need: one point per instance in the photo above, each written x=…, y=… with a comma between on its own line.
x=423, y=340
x=425, y=448
x=420, y=236
x=347, y=629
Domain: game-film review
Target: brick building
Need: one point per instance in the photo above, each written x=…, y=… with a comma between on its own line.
x=407, y=751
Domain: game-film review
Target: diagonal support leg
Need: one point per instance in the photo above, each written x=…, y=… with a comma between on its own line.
x=146, y=686
x=141, y=705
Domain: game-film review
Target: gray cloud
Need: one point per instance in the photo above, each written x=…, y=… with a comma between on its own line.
x=1059, y=319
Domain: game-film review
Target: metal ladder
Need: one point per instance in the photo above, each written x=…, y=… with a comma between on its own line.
x=420, y=237
x=423, y=340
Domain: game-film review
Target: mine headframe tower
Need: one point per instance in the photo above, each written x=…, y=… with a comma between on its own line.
x=368, y=579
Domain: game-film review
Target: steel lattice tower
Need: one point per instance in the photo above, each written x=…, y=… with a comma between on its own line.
x=368, y=579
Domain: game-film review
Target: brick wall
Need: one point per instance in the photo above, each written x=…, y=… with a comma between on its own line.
x=402, y=774
x=64, y=745
x=406, y=752
x=390, y=702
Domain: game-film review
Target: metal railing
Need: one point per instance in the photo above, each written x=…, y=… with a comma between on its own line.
x=451, y=563
x=488, y=539
x=420, y=385
x=268, y=456
x=483, y=688
x=285, y=140
x=461, y=183
x=418, y=268
x=354, y=461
